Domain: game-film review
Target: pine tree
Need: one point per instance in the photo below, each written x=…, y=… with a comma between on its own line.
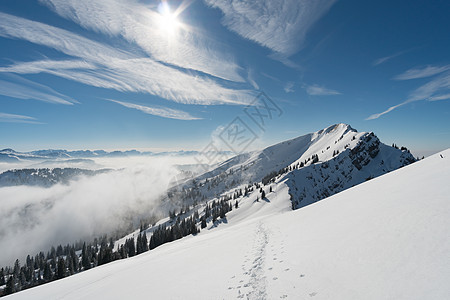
x=144, y=242
x=203, y=225
x=61, y=271
x=10, y=286
x=85, y=260
x=47, y=272
x=2, y=277
x=16, y=269
x=131, y=247
x=70, y=266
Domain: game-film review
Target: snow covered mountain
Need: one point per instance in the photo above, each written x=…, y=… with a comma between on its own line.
x=384, y=239
x=44, y=177
x=316, y=165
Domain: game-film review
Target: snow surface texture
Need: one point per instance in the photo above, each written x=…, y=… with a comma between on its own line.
x=387, y=238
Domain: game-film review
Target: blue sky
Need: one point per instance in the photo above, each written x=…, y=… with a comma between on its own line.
x=115, y=74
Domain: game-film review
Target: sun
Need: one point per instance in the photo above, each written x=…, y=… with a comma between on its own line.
x=168, y=20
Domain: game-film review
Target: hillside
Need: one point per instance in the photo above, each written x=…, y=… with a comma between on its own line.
x=44, y=177
x=384, y=239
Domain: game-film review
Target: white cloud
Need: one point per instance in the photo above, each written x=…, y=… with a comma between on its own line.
x=421, y=72
x=382, y=60
x=158, y=111
x=21, y=88
x=109, y=67
x=278, y=25
x=439, y=97
x=431, y=91
x=289, y=87
x=140, y=25
x=376, y=116
x=317, y=90
x=34, y=67
x=251, y=79
x=271, y=77
x=12, y=118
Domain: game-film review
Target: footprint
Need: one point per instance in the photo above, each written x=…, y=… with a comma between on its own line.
x=312, y=294
x=302, y=275
x=275, y=278
x=284, y=296
x=286, y=269
x=270, y=268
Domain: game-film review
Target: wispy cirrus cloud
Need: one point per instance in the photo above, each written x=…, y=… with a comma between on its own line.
x=137, y=23
x=422, y=72
x=158, y=111
x=318, y=90
x=278, y=25
x=384, y=59
x=434, y=90
x=439, y=97
x=21, y=88
x=103, y=66
x=289, y=87
x=251, y=79
x=47, y=65
x=13, y=118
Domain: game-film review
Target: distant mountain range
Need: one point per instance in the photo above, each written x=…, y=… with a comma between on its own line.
x=10, y=155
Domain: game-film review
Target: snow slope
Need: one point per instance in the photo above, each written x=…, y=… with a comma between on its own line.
x=387, y=238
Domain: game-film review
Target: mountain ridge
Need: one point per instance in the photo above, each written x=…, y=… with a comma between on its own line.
x=359, y=155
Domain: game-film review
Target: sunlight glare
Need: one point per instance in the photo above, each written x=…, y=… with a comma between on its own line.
x=168, y=19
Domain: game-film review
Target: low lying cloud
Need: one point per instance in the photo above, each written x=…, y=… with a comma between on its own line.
x=34, y=218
